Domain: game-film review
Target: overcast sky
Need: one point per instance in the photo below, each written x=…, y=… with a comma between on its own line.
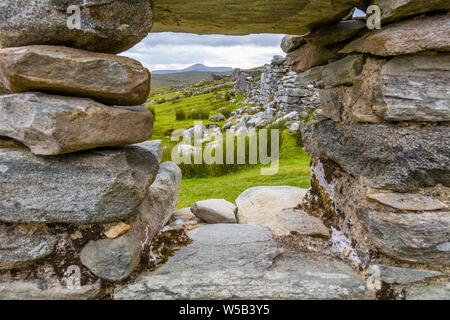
x=162, y=51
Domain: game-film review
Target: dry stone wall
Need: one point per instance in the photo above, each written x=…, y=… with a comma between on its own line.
x=79, y=204
x=380, y=140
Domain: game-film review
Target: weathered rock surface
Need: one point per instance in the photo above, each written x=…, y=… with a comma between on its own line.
x=51, y=125
x=402, y=276
x=392, y=10
x=154, y=146
x=290, y=43
x=110, y=26
x=390, y=157
x=103, y=77
x=29, y=290
x=408, y=201
x=309, y=56
x=87, y=187
x=243, y=262
x=406, y=37
x=414, y=88
x=19, y=246
x=217, y=118
x=116, y=259
x=412, y=237
x=260, y=205
x=238, y=17
x=335, y=33
x=339, y=73
x=215, y=211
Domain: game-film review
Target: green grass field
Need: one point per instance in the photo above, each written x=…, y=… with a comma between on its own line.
x=294, y=162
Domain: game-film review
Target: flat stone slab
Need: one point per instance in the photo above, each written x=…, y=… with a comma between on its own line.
x=52, y=125
x=414, y=88
x=258, y=205
x=432, y=291
x=227, y=261
x=19, y=246
x=411, y=237
x=87, y=187
x=378, y=152
x=297, y=222
x=392, y=10
x=110, y=26
x=215, y=211
x=245, y=17
x=309, y=56
x=406, y=37
x=34, y=290
x=106, y=78
x=408, y=201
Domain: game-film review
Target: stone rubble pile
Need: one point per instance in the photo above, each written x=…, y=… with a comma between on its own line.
x=380, y=139
x=79, y=204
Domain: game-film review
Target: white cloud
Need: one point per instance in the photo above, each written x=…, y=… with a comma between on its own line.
x=177, y=50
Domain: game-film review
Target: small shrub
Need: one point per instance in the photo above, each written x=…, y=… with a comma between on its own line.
x=180, y=115
x=201, y=114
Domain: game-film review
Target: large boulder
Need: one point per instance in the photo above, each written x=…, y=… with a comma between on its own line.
x=41, y=290
x=215, y=211
x=405, y=37
x=98, y=186
x=52, y=125
x=103, y=77
x=414, y=88
x=258, y=205
x=227, y=261
x=116, y=259
x=110, y=26
x=389, y=156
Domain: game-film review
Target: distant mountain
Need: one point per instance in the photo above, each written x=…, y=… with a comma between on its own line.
x=196, y=68
x=181, y=78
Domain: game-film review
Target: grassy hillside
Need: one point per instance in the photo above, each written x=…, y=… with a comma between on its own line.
x=294, y=163
x=178, y=79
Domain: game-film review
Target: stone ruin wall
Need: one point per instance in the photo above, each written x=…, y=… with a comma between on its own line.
x=73, y=220
x=380, y=141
